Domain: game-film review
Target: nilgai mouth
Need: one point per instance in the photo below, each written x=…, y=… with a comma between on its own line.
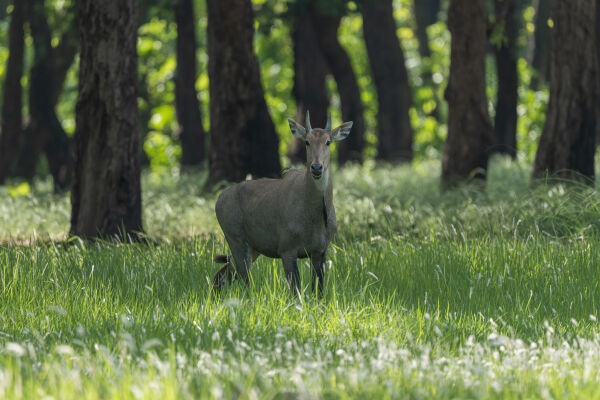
x=317, y=176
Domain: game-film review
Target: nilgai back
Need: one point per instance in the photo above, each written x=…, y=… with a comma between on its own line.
x=286, y=218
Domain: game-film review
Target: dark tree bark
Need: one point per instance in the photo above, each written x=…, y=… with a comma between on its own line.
x=425, y=15
x=598, y=72
x=3, y=8
x=391, y=80
x=339, y=64
x=191, y=130
x=243, y=137
x=106, y=195
x=34, y=133
x=542, y=41
x=12, y=98
x=505, y=122
x=426, y=12
x=467, y=148
x=566, y=146
x=44, y=123
x=310, y=90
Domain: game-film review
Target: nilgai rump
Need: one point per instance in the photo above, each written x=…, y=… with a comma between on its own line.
x=286, y=218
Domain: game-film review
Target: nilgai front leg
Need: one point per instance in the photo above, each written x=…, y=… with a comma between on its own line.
x=317, y=261
x=290, y=267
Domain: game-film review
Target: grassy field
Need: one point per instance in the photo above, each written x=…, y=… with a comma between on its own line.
x=462, y=294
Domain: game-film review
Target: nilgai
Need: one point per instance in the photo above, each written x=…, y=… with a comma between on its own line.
x=288, y=218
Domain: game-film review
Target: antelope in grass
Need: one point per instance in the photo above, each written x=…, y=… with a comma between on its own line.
x=288, y=218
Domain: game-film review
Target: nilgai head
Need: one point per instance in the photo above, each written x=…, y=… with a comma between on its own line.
x=317, y=144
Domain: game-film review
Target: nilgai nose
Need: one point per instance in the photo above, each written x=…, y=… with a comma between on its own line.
x=288, y=218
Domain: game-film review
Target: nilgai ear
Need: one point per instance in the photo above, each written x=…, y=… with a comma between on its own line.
x=341, y=132
x=297, y=129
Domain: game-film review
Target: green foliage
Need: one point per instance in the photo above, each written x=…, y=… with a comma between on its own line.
x=156, y=47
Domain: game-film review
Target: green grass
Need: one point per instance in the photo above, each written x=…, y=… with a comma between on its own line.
x=461, y=294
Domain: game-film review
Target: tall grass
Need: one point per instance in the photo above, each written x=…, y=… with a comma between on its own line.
x=466, y=293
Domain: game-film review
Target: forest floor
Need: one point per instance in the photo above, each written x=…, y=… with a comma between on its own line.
x=463, y=294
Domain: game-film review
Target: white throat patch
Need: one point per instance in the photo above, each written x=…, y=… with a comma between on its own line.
x=321, y=184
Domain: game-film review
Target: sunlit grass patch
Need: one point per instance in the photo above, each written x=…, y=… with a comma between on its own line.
x=458, y=294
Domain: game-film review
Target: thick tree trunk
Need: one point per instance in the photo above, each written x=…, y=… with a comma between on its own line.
x=12, y=98
x=44, y=122
x=391, y=80
x=542, y=41
x=339, y=64
x=243, y=137
x=467, y=148
x=566, y=146
x=310, y=90
x=505, y=122
x=106, y=194
x=191, y=130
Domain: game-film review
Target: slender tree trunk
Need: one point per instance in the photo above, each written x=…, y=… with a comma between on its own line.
x=505, y=123
x=467, y=148
x=243, y=137
x=425, y=15
x=391, y=80
x=598, y=72
x=43, y=119
x=426, y=12
x=191, y=130
x=106, y=193
x=310, y=90
x=566, y=146
x=543, y=41
x=12, y=98
x=339, y=64
x=34, y=134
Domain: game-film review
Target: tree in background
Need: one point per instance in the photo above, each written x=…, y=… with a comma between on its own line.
x=310, y=73
x=566, y=147
x=243, y=137
x=12, y=100
x=106, y=192
x=426, y=14
x=467, y=148
x=542, y=41
x=191, y=130
x=44, y=126
x=326, y=20
x=504, y=43
x=391, y=80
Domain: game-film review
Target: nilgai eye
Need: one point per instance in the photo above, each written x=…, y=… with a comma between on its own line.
x=308, y=144
x=328, y=142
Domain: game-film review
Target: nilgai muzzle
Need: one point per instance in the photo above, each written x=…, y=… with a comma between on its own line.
x=288, y=218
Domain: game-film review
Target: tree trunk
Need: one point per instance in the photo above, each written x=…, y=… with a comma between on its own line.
x=425, y=15
x=12, y=98
x=34, y=134
x=106, y=194
x=467, y=148
x=43, y=119
x=310, y=90
x=505, y=123
x=391, y=80
x=191, y=130
x=339, y=64
x=598, y=72
x=243, y=137
x=543, y=42
x=566, y=146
